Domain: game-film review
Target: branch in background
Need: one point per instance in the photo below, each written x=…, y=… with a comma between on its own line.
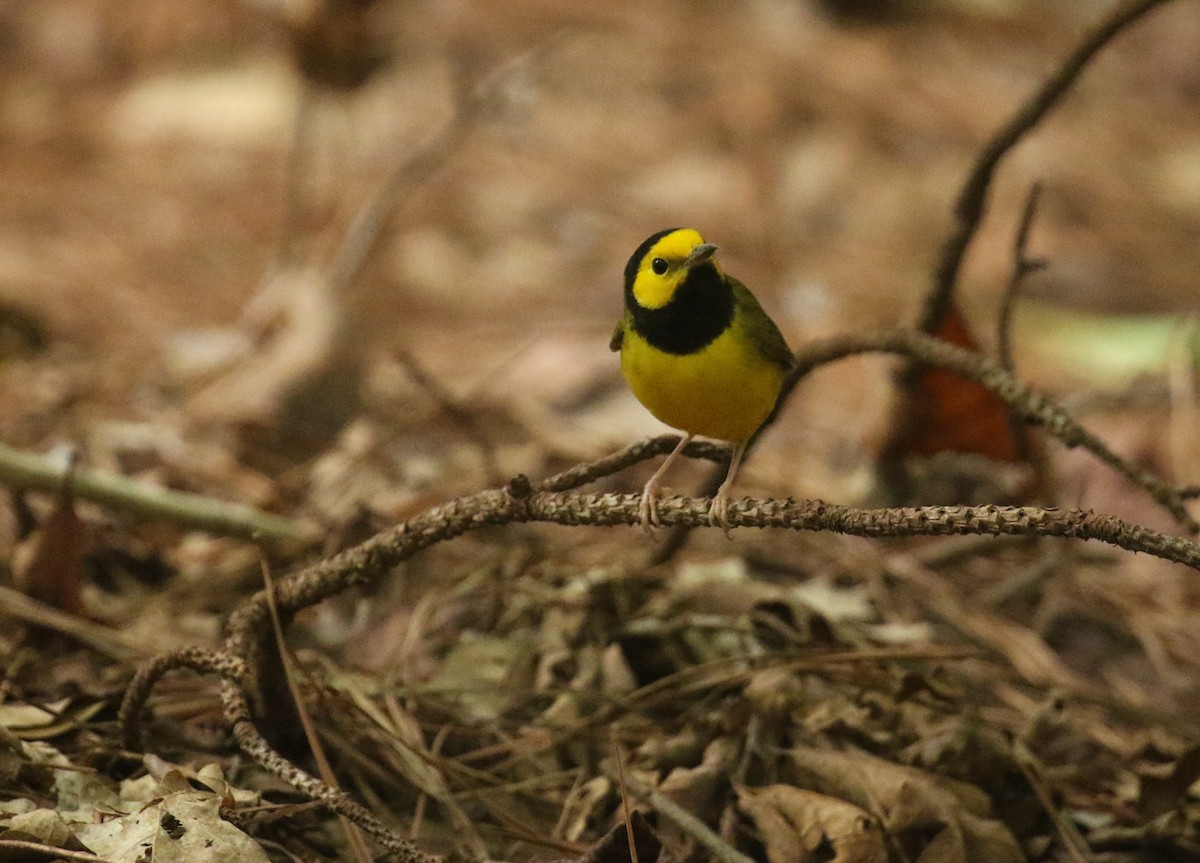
x=22, y=470
x=1032, y=407
x=1027, y=449
x=364, y=233
x=455, y=411
x=1027, y=405
x=101, y=638
x=972, y=198
x=1022, y=267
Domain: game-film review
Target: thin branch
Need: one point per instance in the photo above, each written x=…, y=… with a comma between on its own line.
x=1026, y=404
x=685, y=821
x=218, y=663
x=413, y=170
x=354, y=837
x=101, y=638
x=1073, y=843
x=28, y=471
x=1025, y=448
x=1022, y=267
x=456, y=412
x=294, y=175
x=1031, y=406
x=552, y=502
x=237, y=711
x=624, y=792
x=972, y=198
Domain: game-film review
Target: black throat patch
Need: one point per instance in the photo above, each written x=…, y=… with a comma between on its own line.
x=700, y=310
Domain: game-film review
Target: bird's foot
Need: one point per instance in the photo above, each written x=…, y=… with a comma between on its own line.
x=648, y=509
x=718, y=512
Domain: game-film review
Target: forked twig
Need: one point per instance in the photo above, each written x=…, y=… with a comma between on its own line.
x=1022, y=267
x=354, y=838
x=1031, y=406
x=972, y=198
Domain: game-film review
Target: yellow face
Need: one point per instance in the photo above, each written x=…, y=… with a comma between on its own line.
x=664, y=267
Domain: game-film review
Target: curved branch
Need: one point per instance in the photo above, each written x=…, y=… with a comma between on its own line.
x=226, y=666
x=522, y=501
x=972, y=198
x=1033, y=407
x=237, y=712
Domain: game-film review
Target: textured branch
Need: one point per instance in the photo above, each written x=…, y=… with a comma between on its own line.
x=219, y=664
x=237, y=712
x=1031, y=406
x=552, y=501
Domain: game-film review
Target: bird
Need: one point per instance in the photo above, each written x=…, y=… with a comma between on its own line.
x=699, y=353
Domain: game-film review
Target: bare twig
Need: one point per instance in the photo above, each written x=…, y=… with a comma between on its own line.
x=237, y=710
x=354, y=838
x=294, y=176
x=624, y=791
x=553, y=501
x=456, y=412
x=103, y=639
x=218, y=663
x=1022, y=267
x=1028, y=405
x=972, y=198
x=1073, y=844
x=417, y=167
x=686, y=821
x=1025, y=448
x=25, y=470
x=521, y=503
x=1032, y=407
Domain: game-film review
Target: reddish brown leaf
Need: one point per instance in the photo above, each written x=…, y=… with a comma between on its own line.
x=52, y=570
x=948, y=413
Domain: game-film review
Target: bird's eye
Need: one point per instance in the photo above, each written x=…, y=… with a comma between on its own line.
x=659, y=265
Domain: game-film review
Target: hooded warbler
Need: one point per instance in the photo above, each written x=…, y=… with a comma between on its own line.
x=698, y=351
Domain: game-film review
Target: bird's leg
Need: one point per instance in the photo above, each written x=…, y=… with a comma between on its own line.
x=648, y=508
x=718, y=510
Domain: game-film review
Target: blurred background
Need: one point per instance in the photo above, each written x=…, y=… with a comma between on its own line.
x=345, y=260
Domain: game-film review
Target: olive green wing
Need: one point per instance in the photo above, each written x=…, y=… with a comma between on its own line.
x=618, y=336
x=763, y=332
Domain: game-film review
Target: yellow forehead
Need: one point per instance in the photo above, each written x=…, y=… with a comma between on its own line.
x=675, y=246
x=653, y=290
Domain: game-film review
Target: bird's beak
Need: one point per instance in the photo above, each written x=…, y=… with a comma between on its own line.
x=699, y=254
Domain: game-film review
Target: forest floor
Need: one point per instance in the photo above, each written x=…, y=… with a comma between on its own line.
x=194, y=298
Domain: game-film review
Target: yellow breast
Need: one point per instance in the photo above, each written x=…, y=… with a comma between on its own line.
x=725, y=390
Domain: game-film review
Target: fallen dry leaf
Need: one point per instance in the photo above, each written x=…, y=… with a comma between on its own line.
x=52, y=568
x=913, y=802
x=800, y=826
